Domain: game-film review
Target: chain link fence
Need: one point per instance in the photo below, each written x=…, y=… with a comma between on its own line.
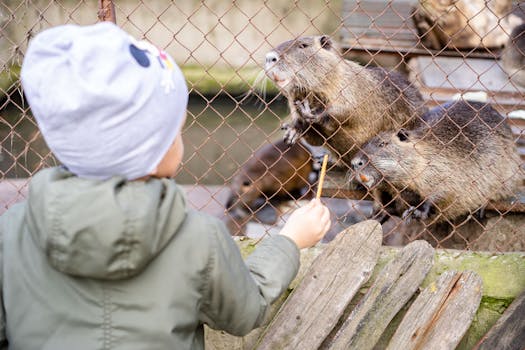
x=236, y=164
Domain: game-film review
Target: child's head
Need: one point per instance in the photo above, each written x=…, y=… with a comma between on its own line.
x=105, y=103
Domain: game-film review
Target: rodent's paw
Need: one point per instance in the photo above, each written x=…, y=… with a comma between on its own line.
x=480, y=213
x=414, y=213
x=306, y=112
x=407, y=214
x=291, y=135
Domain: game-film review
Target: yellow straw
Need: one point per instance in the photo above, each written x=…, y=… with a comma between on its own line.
x=321, y=177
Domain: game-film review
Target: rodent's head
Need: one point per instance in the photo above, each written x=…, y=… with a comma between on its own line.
x=364, y=171
x=517, y=38
x=385, y=157
x=244, y=192
x=435, y=8
x=303, y=64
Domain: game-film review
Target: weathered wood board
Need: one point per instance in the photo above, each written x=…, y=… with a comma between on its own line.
x=509, y=331
x=315, y=306
x=503, y=281
x=387, y=27
x=378, y=24
x=440, y=78
x=441, y=314
x=394, y=286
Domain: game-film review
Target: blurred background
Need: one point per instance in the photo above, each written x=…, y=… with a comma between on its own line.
x=234, y=111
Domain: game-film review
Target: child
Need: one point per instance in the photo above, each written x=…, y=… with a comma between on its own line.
x=105, y=254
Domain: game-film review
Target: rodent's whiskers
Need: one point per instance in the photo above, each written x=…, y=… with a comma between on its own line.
x=258, y=89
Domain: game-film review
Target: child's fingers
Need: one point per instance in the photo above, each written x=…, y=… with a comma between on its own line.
x=326, y=219
x=327, y=226
x=325, y=214
x=314, y=202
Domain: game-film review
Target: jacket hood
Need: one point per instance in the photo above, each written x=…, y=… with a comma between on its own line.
x=107, y=229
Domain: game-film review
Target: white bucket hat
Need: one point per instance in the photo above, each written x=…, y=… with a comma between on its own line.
x=106, y=104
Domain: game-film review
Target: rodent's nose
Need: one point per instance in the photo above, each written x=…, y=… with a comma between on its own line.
x=271, y=57
x=357, y=163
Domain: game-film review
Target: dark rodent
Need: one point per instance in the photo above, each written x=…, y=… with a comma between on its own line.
x=513, y=56
x=277, y=171
x=463, y=156
x=336, y=102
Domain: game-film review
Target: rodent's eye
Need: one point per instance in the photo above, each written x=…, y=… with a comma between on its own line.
x=303, y=45
x=382, y=144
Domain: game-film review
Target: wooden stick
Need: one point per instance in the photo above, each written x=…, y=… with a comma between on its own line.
x=321, y=177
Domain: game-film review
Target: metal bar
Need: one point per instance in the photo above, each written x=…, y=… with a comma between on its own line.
x=106, y=11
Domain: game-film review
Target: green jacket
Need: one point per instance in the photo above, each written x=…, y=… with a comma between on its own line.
x=125, y=265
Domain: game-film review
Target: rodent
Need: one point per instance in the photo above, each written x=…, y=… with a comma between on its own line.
x=464, y=23
x=337, y=102
x=513, y=56
x=277, y=171
x=461, y=157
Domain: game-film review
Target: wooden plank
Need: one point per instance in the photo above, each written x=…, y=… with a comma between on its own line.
x=441, y=314
x=387, y=27
x=378, y=25
x=503, y=281
x=315, y=306
x=508, y=333
x=394, y=286
x=440, y=78
x=463, y=74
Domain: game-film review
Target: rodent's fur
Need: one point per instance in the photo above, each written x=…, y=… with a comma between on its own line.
x=452, y=165
x=464, y=24
x=513, y=56
x=275, y=171
x=337, y=102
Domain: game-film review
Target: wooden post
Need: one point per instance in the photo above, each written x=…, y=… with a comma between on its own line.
x=106, y=11
x=394, y=286
x=441, y=314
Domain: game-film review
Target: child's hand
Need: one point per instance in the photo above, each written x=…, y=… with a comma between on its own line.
x=308, y=224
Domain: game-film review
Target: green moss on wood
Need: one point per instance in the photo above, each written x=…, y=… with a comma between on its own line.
x=496, y=304
x=206, y=81
x=232, y=80
x=9, y=79
x=492, y=267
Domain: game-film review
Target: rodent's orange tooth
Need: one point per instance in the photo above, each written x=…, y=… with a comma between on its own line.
x=363, y=178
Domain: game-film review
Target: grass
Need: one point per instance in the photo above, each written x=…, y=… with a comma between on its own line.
x=206, y=81
x=9, y=78
x=235, y=81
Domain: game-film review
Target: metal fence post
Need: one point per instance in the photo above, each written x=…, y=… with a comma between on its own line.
x=106, y=11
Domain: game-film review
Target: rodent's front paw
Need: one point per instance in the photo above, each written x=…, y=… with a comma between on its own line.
x=305, y=111
x=291, y=135
x=414, y=213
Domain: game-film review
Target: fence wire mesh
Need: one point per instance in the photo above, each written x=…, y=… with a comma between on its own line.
x=237, y=165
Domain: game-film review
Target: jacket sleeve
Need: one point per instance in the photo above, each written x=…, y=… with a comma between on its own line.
x=238, y=293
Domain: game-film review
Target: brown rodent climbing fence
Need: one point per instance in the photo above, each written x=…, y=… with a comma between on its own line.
x=235, y=115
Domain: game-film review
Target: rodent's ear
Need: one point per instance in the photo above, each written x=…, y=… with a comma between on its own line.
x=402, y=135
x=326, y=42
